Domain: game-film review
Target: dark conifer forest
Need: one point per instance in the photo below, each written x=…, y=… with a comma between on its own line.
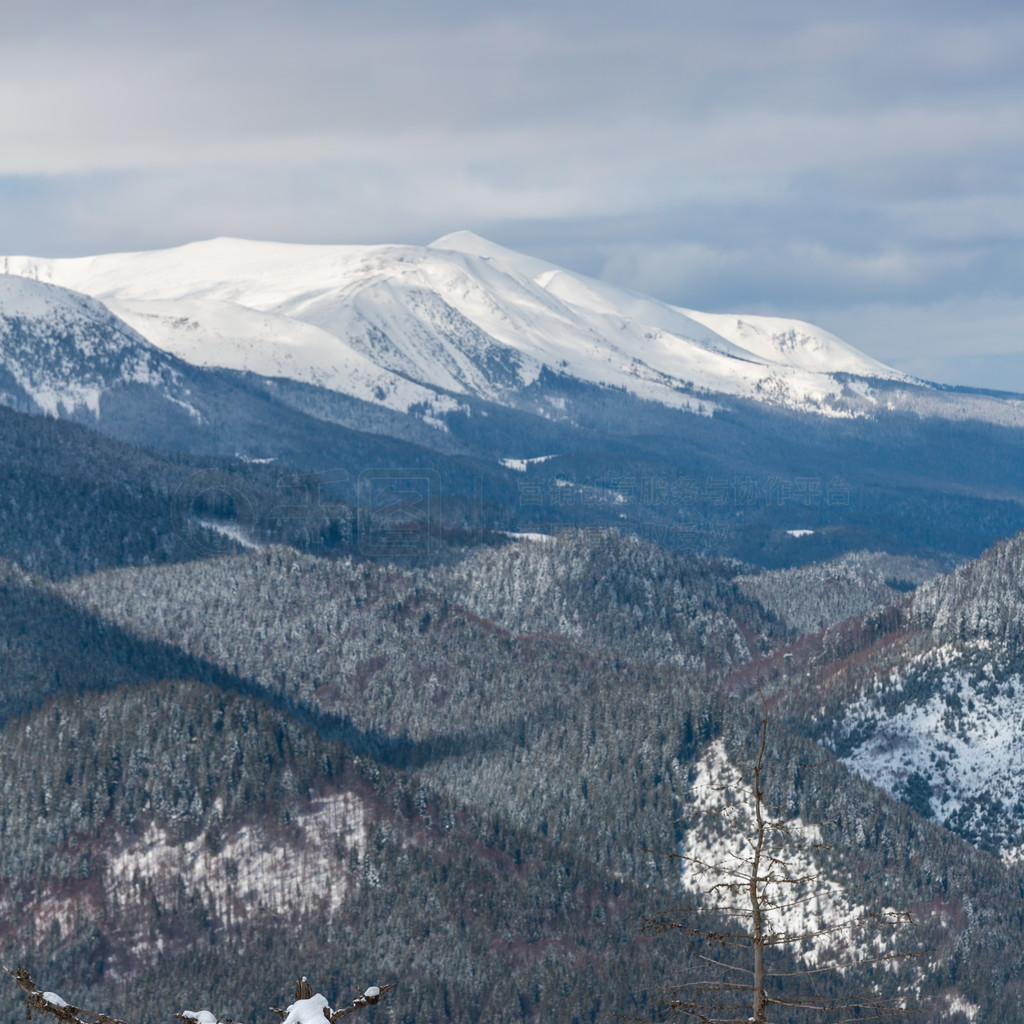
x=238, y=746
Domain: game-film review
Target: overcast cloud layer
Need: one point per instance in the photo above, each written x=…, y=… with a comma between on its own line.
x=859, y=165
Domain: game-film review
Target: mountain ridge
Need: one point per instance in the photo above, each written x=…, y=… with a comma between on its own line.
x=465, y=316
x=461, y=368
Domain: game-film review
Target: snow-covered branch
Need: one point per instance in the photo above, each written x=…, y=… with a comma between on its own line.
x=314, y=1009
x=308, y=1008
x=53, y=1004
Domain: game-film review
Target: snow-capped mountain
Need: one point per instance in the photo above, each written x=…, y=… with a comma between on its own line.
x=67, y=355
x=214, y=333
x=481, y=364
x=395, y=325
x=60, y=351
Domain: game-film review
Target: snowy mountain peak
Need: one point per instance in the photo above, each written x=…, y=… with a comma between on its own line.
x=60, y=350
x=23, y=297
x=793, y=342
x=407, y=326
x=470, y=244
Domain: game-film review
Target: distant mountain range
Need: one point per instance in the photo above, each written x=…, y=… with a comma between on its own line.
x=402, y=326
x=532, y=397
x=410, y=327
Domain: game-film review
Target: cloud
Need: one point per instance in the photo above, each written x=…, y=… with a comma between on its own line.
x=978, y=342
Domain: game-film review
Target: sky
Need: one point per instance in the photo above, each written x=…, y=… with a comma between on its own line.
x=859, y=165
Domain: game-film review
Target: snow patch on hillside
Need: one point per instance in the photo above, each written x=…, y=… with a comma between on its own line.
x=717, y=851
x=54, y=396
x=959, y=1005
x=521, y=465
x=282, y=868
x=233, y=531
x=253, y=867
x=956, y=751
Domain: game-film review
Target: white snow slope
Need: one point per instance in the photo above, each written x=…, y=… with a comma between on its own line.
x=809, y=913
x=960, y=737
x=938, y=722
x=63, y=350
x=409, y=325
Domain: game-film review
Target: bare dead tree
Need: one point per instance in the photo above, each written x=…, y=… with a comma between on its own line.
x=764, y=941
x=52, y=1004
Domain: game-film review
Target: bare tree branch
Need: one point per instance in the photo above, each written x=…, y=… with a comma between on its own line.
x=54, y=1005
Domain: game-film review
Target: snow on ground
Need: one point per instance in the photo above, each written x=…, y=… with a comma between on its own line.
x=230, y=530
x=281, y=868
x=521, y=465
x=959, y=1005
x=55, y=396
x=962, y=740
x=253, y=867
x=717, y=848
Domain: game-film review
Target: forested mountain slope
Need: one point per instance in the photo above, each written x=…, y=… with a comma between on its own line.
x=371, y=774
x=465, y=773
x=603, y=590
x=316, y=622
x=49, y=646
x=416, y=679
x=813, y=597
x=178, y=842
x=182, y=841
x=73, y=501
x=926, y=698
